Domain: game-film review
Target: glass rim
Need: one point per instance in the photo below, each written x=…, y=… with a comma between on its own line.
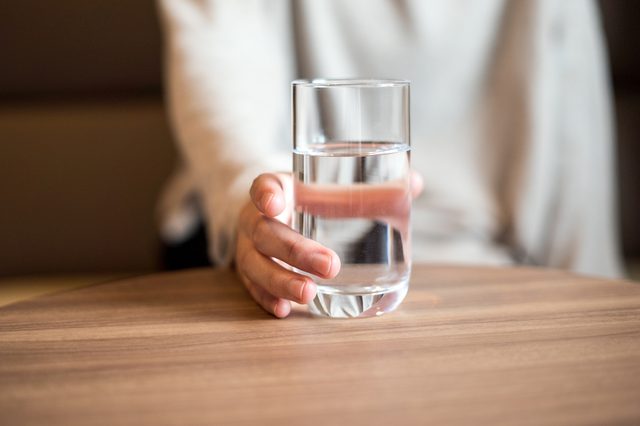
x=320, y=83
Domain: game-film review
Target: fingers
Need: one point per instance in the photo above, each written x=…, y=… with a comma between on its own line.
x=274, y=305
x=264, y=240
x=277, y=280
x=271, y=285
x=275, y=239
x=267, y=194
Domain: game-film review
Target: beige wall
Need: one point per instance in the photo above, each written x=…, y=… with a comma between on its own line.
x=623, y=36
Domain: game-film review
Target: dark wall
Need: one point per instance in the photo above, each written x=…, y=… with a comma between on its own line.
x=79, y=47
x=85, y=146
x=623, y=39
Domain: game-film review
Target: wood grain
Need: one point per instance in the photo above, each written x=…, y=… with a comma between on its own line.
x=15, y=289
x=469, y=345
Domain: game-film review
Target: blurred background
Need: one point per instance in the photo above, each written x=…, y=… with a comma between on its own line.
x=85, y=145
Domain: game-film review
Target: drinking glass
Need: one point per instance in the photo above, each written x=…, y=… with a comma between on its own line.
x=351, y=157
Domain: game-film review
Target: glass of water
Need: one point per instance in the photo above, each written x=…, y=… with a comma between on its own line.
x=352, y=193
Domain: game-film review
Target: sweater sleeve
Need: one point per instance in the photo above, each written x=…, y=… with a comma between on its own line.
x=228, y=66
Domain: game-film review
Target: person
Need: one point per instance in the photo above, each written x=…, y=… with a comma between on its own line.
x=511, y=129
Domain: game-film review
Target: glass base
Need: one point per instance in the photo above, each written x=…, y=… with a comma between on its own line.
x=331, y=302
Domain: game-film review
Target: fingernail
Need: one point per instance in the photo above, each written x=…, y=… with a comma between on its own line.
x=321, y=263
x=265, y=200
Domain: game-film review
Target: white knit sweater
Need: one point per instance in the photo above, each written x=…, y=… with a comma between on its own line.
x=511, y=116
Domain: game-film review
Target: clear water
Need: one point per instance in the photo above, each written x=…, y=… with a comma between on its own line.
x=355, y=199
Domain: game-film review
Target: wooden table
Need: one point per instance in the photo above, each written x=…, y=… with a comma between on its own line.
x=469, y=345
x=15, y=289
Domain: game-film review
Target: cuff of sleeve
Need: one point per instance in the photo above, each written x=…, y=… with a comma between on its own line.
x=222, y=206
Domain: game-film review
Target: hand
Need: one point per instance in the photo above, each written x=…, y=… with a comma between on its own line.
x=265, y=241
x=266, y=244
